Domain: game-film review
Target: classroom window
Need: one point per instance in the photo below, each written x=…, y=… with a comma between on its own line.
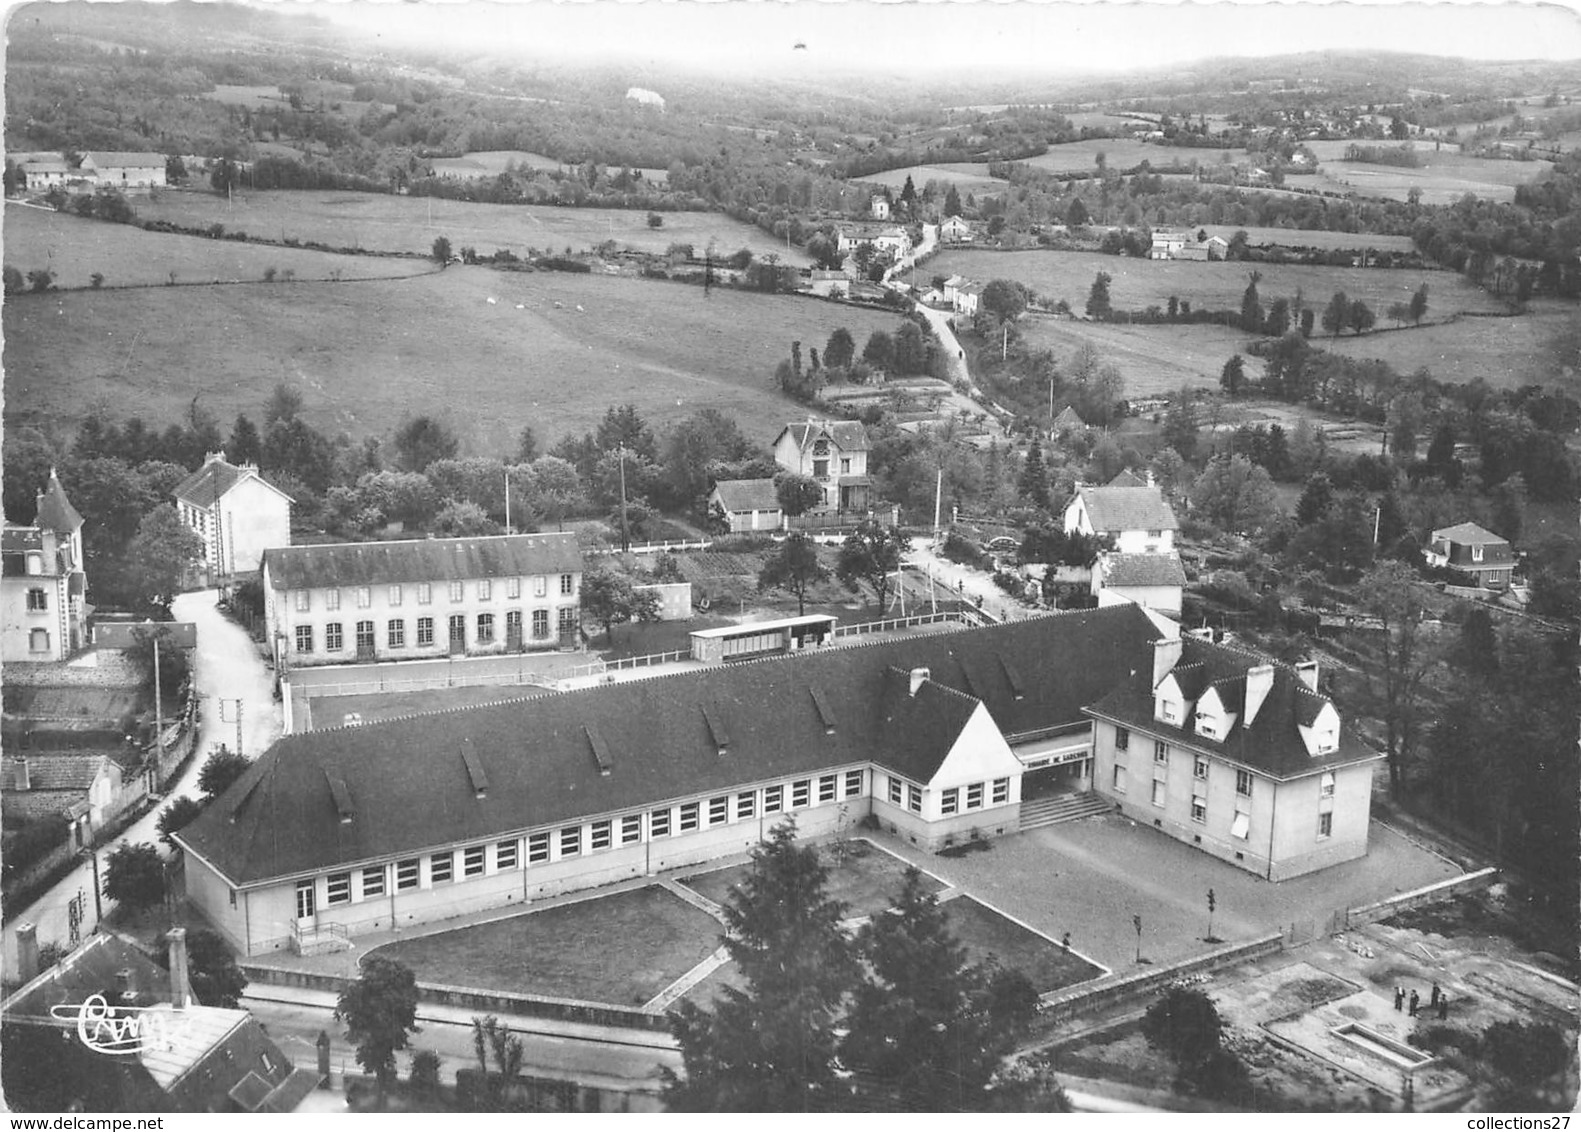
x=1160, y=751
x=659, y=823
x=630, y=828
x=397, y=634
x=457, y=591
x=746, y=804
x=1328, y=784
x=537, y=848
x=773, y=799
x=895, y=791
x=540, y=623
x=304, y=638
x=855, y=783
x=425, y=593
x=506, y=855
x=1199, y=768
x=513, y=588
x=1325, y=825
x=602, y=834
x=540, y=586
x=914, y=798
x=1119, y=779
x=1001, y=791
x=1199, y=810
x=332, y=600
x=1243, y=783
x=472, y=861
x=408, y=873
x=1160, y=791
x=394, y=597
x=364, y=597
x=801, y=793
x=826, y=787
x=373, y=882
x=567, y=620
x=365, y=634
x=718, y=810
x=441, y=867
x=570, y=841
x=567, y=584
x=1122, y=739
x=949, y=801
x=425, y=631
x=485, y=590
x=974, y=796
x=485, y=628
x=337, y=889
x=334, y=639
x=689, y=813
x=37, y=601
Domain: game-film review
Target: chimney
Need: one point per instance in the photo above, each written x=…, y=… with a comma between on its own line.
x=124, y=991
x=1307, y=670
x=27, y=952
x=918, y=675
x=1259, y=682
x=1166, y=654
x=23, y=781
x=1150, y=478
x=178, y=967
x=210, y=457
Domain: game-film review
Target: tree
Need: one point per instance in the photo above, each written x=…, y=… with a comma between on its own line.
x=871, y=554
x=1239, y=244
x=1034, y=484
x=1233, y=376
x=422, y=440
x=879, y=351
x=1235, y=495
x=770, y=1046
x=1278, y=321
x=225, y=175
x=797, y=494
x=1361, y=318
x=245, y=445
x=911, y=349
x=1180, y=424
x=1098, y=298
x=840, y=350
x=15, y=283
x=1316, y=498
x=380, y=1011
x=40, y=279
x=1005, y=298
x=441, y=251
x=611, y=600
x=1076, y=215
x=1525, y=1054
x=220, y=769
x=1336, y=316
x=1185, y=1023
x=211, y=968
x=175, y=169
x=134, y=876
x=794, y=568
x=655, y=220
x=1251, y=306
x=489, y=1036
x=1391, y=593
x=176, y=817
x=952, y=202
x=1418, y=305
x=924, y=1031
x=284, y=405
x=159, y=556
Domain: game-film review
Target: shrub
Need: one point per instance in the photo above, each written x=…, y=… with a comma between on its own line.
x=270, y=273
x=41, y=279
x=424, y=1077
x=14, y=283
x=33, y=840
x=96, y=280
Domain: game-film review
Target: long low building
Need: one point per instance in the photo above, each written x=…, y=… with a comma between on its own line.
x=937, y=739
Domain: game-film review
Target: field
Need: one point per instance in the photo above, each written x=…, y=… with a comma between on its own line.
x=967, y=177
x=1141, y=283
x=410, y=224
x=1154, y=359
x=74, y=249
x=1310, y=238
x=1122, y=153
x=492, y=162
x=552, y=351
x=1505, y=352
x=1445, y=176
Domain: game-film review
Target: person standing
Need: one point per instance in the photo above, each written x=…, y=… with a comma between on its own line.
x=1399, y=998
x=1433, y=1000
x=1416, y=1002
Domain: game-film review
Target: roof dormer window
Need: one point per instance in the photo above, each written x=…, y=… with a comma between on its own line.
x=1476, y=553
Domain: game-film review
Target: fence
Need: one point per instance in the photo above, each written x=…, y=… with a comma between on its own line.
x=423, y=683
x=653, y=547
x=963, y=616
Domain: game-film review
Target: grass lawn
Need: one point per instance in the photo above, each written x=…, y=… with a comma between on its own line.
x=639, y=639
x=867, y=879
x=397, y=223
x=74, y=249
x=985, y=932
x=552, y=350
x=1137, y=284
x=1309, y=238
x=966, y=176
x=621, y=949
x=331, y=711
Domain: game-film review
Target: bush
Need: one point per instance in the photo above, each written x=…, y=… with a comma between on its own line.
x=96, y=280
x=14, y=283
x=33, y=841
x=424, y=1077
x=270, y=273
x=966, y=552
x=41, y=279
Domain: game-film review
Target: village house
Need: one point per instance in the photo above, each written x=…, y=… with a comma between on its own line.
x=341, y=603
x=129, y=172
x=955, y=231
x=889, y=238
x=1213, y=248
x=828, y=284
x=1153, y=581
x=968, y=298
x=1474, y=551
x=85, y=789
x=43, y=589
x=747, y=505
x=1067, y=420
x=1166, y=244
x=878, y=207
x=1143, y=565
x=236, y=512
x=42, y=171
x=1237, y=755
x=834, y=453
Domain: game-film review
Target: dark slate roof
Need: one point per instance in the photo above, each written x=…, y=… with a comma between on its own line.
x=1456, y=543
x=1128, y=509
x=18, y=539
x=848, y=436
x=747, y=495
x=104, y=159
x=90, y=969
x=410, y=788
x=1127, y=478
x=1468, y=534
x=55, y=512
x=1272, y=744
x=56, y=772
x=422, y=560
x=214, y=479
x=1143, y=570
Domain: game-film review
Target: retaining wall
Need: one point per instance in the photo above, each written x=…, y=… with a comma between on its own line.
x=1443, y=890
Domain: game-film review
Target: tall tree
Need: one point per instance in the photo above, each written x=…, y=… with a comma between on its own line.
x=380, y=1012
x=1004, y=298
x=1390, y=592
x=1098, y=302
x=952, y=202
x=1235, y=495
x=223, y=767
x=441, y=251
x=797, y=494
x=611, y=600
x=1336, y=316
x=1361, y=318
x=421, y=440
x=1316, y=498
x=879, y=351
x=872, y=554
x=1034, y=483
x=245, y=445
x=1418, y=305
x=159, y=556
x=794, y=568
x=840, y=349
x=770, y=1045
x=216, y=978
x=134, y=876
x=911, y=349
x=1233, y=375
x=1252, y=306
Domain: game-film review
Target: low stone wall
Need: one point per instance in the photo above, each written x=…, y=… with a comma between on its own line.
x=1430, y=894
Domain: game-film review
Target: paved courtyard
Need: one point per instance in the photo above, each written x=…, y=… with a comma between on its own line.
x=1090, y=877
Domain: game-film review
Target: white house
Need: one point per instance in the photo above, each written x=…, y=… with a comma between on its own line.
x=43, y=586
x=1143, y=565
x=747, y=505
x=883, y=237
x=129, y=172
x=878, y=207
x=236, y=512
x=1166, y=244
x=834, y=453
x=955, y=231
x=968, y=298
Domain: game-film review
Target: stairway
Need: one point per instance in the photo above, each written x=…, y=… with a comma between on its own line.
x=1061, y=807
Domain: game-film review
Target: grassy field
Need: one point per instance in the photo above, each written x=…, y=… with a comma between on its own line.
x=622, y=949
x=866, y=880
x=1154, y=359
x=1310, y=238
x=492, y=162
x=1505, y=352
x=1141, y=283
x=74, y=249
x=1444, y=177
x=985, y=932
x=1122, y=153
x=967, y=177
x=395, y=223
x=552, y=351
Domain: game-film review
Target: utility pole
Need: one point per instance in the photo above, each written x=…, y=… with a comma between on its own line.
x=238, y=725
x=938, y=500
x=98, y=899
x=625, y=531
x=159, y=721
x=508, y=501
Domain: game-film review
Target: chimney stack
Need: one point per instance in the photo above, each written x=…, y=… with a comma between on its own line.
x=1166, y=654
x=27, y=952
x=1259, y=682
x=918, y=675
x=178, y=967
x=1308, y=671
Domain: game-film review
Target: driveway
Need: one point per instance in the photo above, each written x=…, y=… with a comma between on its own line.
x=976, y=586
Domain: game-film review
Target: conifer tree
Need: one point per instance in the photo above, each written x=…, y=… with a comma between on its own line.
x=1034, y=485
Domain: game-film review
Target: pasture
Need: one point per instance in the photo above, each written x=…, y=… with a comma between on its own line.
x=966, y=176
x=552, y=351
x=1154, y=359
x=1140, y=283
x=1444, y=177
x=1121, y=153
x=410, y=224
x=1309, y=238
x=75, y=249
x=1505, y=352
x=493, y=162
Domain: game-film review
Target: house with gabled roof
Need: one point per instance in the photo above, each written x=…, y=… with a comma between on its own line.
x=747, y=505
x=1474, y=551
x=1237, y=754
x=1154, y=581
x=834, y=453
x=43, y=584
x=236, y=512
x=954, y=230
x=1143, y=565
x=129, y=172
x=338, y=603
x=1068, y=420
x=83, y=787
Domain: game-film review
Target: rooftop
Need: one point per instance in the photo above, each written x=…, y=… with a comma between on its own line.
x=331, y=565
x=216, y=477
x=747, y=495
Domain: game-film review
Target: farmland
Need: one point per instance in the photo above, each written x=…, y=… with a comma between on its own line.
x=1154, y=359
x=1141, y=283
x=553, y=351
x=492, y=162
x=1121, y=153
x=403, y=224
x=1445, y=176
x=1505, y=352
x=75, y=249
x=967, y=177
x=1310, y=238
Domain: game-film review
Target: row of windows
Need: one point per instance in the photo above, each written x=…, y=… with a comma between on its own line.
x=575, y=840
x=395, y=630
x=483, y=590
x=950, y=800
x=1199, y=763
x=1241, y=825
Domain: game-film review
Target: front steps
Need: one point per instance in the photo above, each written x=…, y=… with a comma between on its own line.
x=1039, y=812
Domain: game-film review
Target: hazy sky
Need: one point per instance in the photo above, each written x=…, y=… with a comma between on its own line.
x=969, y=36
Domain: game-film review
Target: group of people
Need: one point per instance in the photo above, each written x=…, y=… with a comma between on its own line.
x=1438, y=1001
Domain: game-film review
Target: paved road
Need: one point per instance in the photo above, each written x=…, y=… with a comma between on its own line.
x=227, y=667
x=954, y=580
